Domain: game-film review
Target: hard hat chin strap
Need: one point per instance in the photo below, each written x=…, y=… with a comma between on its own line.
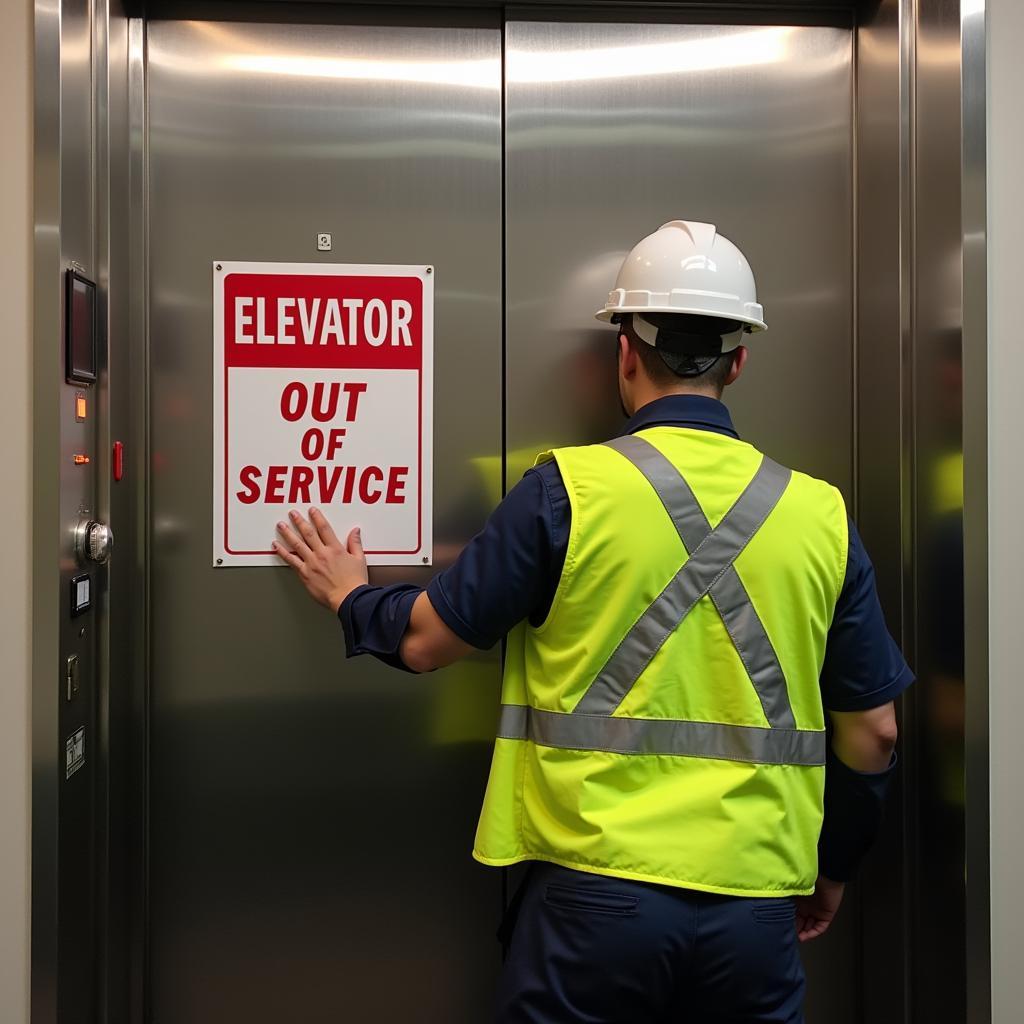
x=687, y=354
x=689, y=342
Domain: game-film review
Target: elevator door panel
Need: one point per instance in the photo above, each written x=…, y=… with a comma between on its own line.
x=311, y=818
x=614, y=129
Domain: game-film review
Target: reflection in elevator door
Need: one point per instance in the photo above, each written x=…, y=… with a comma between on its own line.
x=312, y=818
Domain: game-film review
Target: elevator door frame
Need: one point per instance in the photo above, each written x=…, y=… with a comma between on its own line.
x=261, y=12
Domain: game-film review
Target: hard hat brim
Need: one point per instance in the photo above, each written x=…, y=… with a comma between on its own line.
x=754, y=325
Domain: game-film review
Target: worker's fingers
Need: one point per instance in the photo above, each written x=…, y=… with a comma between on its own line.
x=293, y=560
x=294, y=541
x=813, y=929
x=355, y=542
x=324, y=528
x=309, y=534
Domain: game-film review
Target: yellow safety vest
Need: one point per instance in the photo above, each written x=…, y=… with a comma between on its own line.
x=665, y=722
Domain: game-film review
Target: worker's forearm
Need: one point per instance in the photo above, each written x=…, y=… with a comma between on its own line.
x=415, y=649
x=854, y=808
x=428, y=643
x=865, y=740
x=399, y=626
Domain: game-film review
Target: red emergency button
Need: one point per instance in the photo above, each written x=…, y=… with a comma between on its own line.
x=117, y=463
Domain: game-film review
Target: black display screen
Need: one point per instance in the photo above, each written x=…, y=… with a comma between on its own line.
x=81, y=329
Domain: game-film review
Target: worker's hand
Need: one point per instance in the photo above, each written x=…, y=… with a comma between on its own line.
x=816, y=912
x=329, y=570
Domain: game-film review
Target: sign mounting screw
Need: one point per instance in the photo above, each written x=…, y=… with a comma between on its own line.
x=219, y=267
x=220, y=561
x=323, y=241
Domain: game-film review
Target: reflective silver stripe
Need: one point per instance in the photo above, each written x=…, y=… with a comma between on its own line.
x=707, y=564
x=670, y=485
x=744, y=625
x=513, y=723
x=754, y=648
x=663, y=736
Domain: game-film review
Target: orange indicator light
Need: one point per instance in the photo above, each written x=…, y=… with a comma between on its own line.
x=81, y=407
x=81, y=460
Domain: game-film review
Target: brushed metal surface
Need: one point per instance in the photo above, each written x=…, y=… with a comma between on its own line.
x=878, y=297
x=613, y=129
x=804, y=11
x=311, y=819
x=939, y=953
x=76, y=833
x=977, y=741
x=880, y=139
x=47, y=371
x=120, y=642
x=131, y=575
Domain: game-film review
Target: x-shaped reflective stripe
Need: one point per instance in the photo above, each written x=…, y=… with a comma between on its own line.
x=708, y=570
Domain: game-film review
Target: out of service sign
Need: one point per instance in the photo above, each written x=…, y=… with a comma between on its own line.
x=322, y=395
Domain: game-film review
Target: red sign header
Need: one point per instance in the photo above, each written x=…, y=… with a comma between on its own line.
x=323, y=321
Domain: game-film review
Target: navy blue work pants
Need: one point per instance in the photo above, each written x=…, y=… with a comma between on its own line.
x=589, y=949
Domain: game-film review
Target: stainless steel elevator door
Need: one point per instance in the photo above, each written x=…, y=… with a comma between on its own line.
x=613, y=129
x=311, y=819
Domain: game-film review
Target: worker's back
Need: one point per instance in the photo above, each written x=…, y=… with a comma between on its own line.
x=665, y=723
x=669, y=598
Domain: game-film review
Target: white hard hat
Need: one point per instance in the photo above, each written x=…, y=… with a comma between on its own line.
x=686, y=267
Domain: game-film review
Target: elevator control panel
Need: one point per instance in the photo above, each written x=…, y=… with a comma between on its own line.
x=88, y=541
x=84, y=546
x=80, y=345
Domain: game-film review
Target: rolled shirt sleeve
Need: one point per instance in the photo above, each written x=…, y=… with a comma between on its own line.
x=508, y=572
x=374, y=620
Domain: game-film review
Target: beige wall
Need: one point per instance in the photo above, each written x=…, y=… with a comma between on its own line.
x=1006, y=499
x=15, y=273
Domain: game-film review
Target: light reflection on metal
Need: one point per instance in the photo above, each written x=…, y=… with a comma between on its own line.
x=479, y=74
x=678, y=56
x=722, y=52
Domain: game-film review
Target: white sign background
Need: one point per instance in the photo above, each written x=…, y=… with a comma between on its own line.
x=389, y=440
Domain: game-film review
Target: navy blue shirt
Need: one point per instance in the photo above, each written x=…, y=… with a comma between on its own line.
x=510, y=570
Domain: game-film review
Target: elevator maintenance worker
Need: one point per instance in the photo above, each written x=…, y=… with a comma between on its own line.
x=681, y=612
